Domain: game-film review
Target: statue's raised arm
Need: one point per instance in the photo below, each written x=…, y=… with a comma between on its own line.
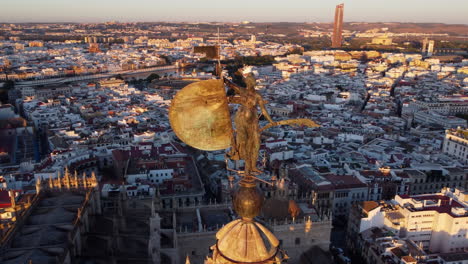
x=246, y=143
x=237, y=89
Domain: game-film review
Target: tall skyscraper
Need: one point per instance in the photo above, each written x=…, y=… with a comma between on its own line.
x=338, y=26
x=424, y=46
x=430, y=48
x=427, y=47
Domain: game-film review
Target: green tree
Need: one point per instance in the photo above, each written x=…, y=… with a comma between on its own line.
x=8, y=85
x=153, y=76
x=295, y=51
x=464, y=116
x=166, y=58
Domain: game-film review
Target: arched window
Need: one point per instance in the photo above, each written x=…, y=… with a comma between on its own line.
x=297, y=241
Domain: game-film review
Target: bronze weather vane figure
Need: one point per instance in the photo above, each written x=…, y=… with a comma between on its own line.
x=200, y=117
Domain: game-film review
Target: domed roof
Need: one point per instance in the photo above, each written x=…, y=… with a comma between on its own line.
x=246, y=241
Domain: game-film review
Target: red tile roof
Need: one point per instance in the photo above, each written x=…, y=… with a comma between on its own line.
x=5, y=200
x=344, y=181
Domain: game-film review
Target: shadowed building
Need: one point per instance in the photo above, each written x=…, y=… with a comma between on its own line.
x=51, y=229
x=338, y=26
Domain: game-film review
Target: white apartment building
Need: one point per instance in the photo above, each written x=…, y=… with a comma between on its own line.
x=281, y=110
x=435, y=222
x=157, y=176
x=430, y=117
x=456, y=144
x=444, y=106
x=277, y=150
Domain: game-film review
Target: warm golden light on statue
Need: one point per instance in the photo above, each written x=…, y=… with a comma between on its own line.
x=200, y=117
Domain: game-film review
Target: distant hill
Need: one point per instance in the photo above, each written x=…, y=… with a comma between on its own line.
x=396, y=27
x=435, y=28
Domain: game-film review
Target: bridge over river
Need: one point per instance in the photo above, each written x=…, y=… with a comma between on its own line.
x=138, y=73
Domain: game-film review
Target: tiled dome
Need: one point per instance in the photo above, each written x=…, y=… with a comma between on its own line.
x=246, y=241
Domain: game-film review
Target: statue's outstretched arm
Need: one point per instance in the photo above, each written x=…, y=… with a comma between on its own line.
x=292, y=122
x=265, y=113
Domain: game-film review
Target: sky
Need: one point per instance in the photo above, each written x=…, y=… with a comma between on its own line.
x=444, y=11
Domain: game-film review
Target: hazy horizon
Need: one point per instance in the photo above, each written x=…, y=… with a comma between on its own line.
x=299, y=11
x=221, y=22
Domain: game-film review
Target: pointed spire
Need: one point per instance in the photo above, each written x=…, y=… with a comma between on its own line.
x=94, y=179
x=187, y=260
x=67, y=178
x=12, y=198
x=67, y=173
x=157, y=199
x=57, y=181
x=51, y=183
x=85, y=180
x=38, y=185
x=75, y=179
x=308, y=225
x=281, y=184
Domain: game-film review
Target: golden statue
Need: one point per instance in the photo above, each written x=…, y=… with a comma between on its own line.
x=200, y=117
x=246, y=142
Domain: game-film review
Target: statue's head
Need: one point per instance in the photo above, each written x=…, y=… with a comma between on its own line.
x=250, y=81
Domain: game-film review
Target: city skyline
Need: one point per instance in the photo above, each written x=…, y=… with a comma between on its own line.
x=258, y=11
x=296, y=132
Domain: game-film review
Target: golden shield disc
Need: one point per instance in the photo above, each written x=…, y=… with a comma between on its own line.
x=199, y=115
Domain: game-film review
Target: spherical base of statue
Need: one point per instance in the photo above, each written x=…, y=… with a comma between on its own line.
x=247, y=200
x=244, y=240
